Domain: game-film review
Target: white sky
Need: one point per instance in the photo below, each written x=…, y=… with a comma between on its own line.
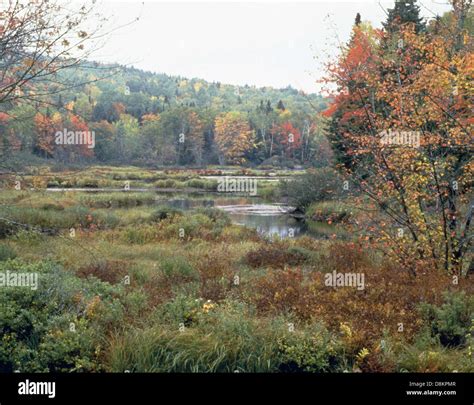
x=263, y=44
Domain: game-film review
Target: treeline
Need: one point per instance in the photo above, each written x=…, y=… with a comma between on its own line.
x=145, y=118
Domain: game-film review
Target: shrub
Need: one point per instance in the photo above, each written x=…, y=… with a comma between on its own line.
x=220, y=217
x=275, y=255
x=168, y=183
x=188, y=227
x=314, y=185
x=183, y=308
x=203, y=184
x=330, y=212
x=177, y=269
x=164, y=212
x=451, y=321
x=109, y=271
x=52, y=221
x=140, y=235
x=6, y=252
x=52, y=207
x=313, y=350
x=6, y=228
x=35, y=325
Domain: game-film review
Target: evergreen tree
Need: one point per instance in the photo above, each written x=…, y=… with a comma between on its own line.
x=269, y=107
x=404, y=12
x=357, y=19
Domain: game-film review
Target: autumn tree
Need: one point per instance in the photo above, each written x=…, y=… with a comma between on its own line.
x=233, y=137
x=38, y=40
x=402, y=129
x=288, y=139
x=46, y=128
x=195, y=136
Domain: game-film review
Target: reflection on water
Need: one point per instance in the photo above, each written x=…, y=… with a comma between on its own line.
x=268, y=219
x=283, y=226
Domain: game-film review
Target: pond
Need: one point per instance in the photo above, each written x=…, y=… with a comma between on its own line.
x=270, y=219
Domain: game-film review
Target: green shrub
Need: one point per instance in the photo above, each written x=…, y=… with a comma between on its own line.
x=218, y=216
x=6, y=252
x=451, y=321
x=314, y=185
x=183, y=308
x=203, y=184
x=52, y=207
x=140, y=235
x=313, y=350
x=6, y=228
x=60, y=326
x=177, y=269
x=276, y=255
x=164, y=212
x=168, y=183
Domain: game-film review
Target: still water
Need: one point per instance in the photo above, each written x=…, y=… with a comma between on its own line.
x=269, y=219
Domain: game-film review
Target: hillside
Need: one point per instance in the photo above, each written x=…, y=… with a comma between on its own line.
x=155, y=119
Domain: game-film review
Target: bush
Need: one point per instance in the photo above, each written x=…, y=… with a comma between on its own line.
x=6, y=252
x=314, y=185
x=313, y=350
x=188, y=227
x=451, y=321
x=108, y=271
x=7, y=228
x=168, y=183
x=276, y=255
x=164, y=212
x=203, y=184
x=140, y=235
x=218, y=216
x=35, y=325
x=178, y=269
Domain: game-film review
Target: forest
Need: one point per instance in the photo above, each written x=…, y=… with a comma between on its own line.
x=156, y=120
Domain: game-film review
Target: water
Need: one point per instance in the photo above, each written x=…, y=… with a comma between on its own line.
x=269, y=219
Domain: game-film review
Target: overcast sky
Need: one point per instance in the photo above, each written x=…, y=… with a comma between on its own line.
x=264, y=44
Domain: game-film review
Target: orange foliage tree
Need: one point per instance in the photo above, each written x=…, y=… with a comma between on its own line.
x=288, y=138
x=233, y=137
x=401, y=127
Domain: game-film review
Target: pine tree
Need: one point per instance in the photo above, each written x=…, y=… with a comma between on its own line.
x=269, y=107
x=405, y=11
x=357, y=19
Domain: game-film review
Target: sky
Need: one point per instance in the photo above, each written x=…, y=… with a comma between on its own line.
x=263, y=44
